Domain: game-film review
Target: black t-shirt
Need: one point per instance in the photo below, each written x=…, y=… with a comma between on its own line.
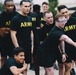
x=73, y=14
x=35, y=19
x=23, y=25
x=70, y=31
x=41, y=18
x=5, y=19
x=5, y=70
x=51, y=42
x=43, y=32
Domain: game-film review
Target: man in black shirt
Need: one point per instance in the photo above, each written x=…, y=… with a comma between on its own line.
x=5, y=39
x=36, y=23
x=43, y=32
x=49, y=23
x=48, y=50
x=36, y=10
x=35, y=19
x=15, y=65
x=21, y=26
x=70, y=31
x=45, y=8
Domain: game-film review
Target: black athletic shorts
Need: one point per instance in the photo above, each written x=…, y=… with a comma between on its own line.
x=6, y=45
x=44, y=59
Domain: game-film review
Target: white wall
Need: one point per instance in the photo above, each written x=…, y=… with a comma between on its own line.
x=16, y=1
x=39, y=1
x=69, y=3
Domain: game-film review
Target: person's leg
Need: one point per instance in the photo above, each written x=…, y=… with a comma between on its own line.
x=3, y=56
x=72, y=68
x=36, y=65
x=49, y=71
x=61, y=69
x=32, y=66
x=75, y=66
x=60, y=63
x=67, y=68
x=32, y=50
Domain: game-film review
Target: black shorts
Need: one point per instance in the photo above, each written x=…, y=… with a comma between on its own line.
x=73, y=54
x=59, y=59
x=44, y=59
x=27, y=53
x=6, y=49
x=6, y=46
x=71, y=51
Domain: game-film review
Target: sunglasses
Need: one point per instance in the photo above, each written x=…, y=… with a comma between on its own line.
x=64, y=21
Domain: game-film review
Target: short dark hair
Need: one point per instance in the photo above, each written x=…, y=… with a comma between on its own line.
x=36, y=7
x=17, y=50
x=57, y=16
x=45, y=3
x=61, y=7
x=46, y=12
x=24, y=1
x=7, y=1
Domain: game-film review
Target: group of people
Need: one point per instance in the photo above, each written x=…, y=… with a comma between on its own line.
x=53, y=39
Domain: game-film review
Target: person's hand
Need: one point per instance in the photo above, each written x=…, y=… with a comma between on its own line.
x=41, y=25
x=63, y=57
x=75, y=44
x=20, y=74
x=25, y=65
x=4, y=31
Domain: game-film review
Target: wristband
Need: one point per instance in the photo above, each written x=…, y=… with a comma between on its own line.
x=63, y=53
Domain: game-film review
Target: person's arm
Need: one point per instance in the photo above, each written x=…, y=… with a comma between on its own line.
x=67, y=39
x=18, y=71
x=4, y=31
x=14, y=38
x=25, y=72
x=62, y=48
